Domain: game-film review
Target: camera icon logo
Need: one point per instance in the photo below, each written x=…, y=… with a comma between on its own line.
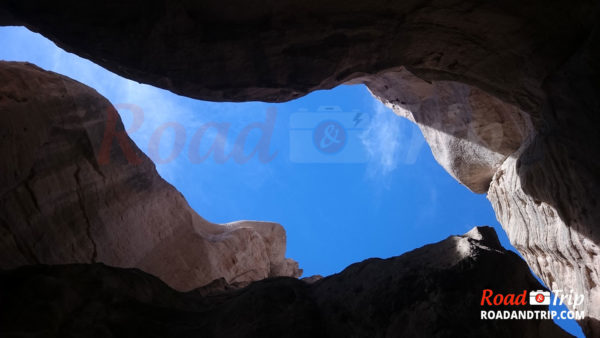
x=539, y=297
x=328, y=135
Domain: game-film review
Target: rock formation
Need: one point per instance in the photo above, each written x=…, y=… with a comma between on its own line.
x=284, y=49
x=434, y=291
x=516, y=84
x=470, y=132
x=63, y=201
x=486, y=143
x=546, y=194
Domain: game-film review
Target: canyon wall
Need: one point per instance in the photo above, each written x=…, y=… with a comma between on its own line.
x=546, y=194
x=494, y=147
x=507, y=93
x=471, y=133
x=434, y=291
x=281, y=50
x=73, y=192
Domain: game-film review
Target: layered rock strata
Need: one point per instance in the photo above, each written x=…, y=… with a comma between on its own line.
x=542, y=186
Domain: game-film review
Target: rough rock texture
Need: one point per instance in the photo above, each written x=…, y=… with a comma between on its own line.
x=546, y=194
x=475, y=137
x=560, y=255
x=279, y=50
x=544, y=200
x=469, y=131
x=434, y=291
x=62, y=201
x=538, y=56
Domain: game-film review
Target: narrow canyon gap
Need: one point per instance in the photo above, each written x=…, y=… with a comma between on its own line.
x=534, y=63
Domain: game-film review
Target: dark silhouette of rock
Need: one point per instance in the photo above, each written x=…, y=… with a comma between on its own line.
x=538, y=57
x=281, y=50
x=433, y=291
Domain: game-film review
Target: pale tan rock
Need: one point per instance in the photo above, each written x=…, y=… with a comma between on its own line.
x=544, y=201
x=539, y=56
x=59, y=204
x=469, y=131
x=563, y=257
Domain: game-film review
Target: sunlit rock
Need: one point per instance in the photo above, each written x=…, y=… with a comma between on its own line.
x=509, y=74
x=73, y=193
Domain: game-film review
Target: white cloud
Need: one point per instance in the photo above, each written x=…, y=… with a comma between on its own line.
x=390, y=141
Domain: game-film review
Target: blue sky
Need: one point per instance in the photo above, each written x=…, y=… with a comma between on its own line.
x=395, y=199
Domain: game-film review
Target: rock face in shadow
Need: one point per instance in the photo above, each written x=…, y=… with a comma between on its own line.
x=477, y=137
x=280, y=50
x=546, y=194
x=432, y=291
x=538, y=58
x=73, y=193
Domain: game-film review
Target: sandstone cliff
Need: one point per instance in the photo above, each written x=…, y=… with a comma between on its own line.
x=516, y=83
x=544, y=200
x=71, y=193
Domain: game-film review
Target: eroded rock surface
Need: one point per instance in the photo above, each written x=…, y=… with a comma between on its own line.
x=280, y=50
x=544, y=188
x=546, y=194
x=562, y=257
x=63, y=199
x=434, y=291
x=536, y=57
x=470, y=132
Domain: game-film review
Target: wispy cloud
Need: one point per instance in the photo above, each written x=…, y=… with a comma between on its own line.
x=390, y=141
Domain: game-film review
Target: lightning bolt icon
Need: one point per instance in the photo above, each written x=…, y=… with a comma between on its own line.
x=357, y=118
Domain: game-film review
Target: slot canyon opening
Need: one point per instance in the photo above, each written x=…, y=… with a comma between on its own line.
x=383, y=195
x=380, y=196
